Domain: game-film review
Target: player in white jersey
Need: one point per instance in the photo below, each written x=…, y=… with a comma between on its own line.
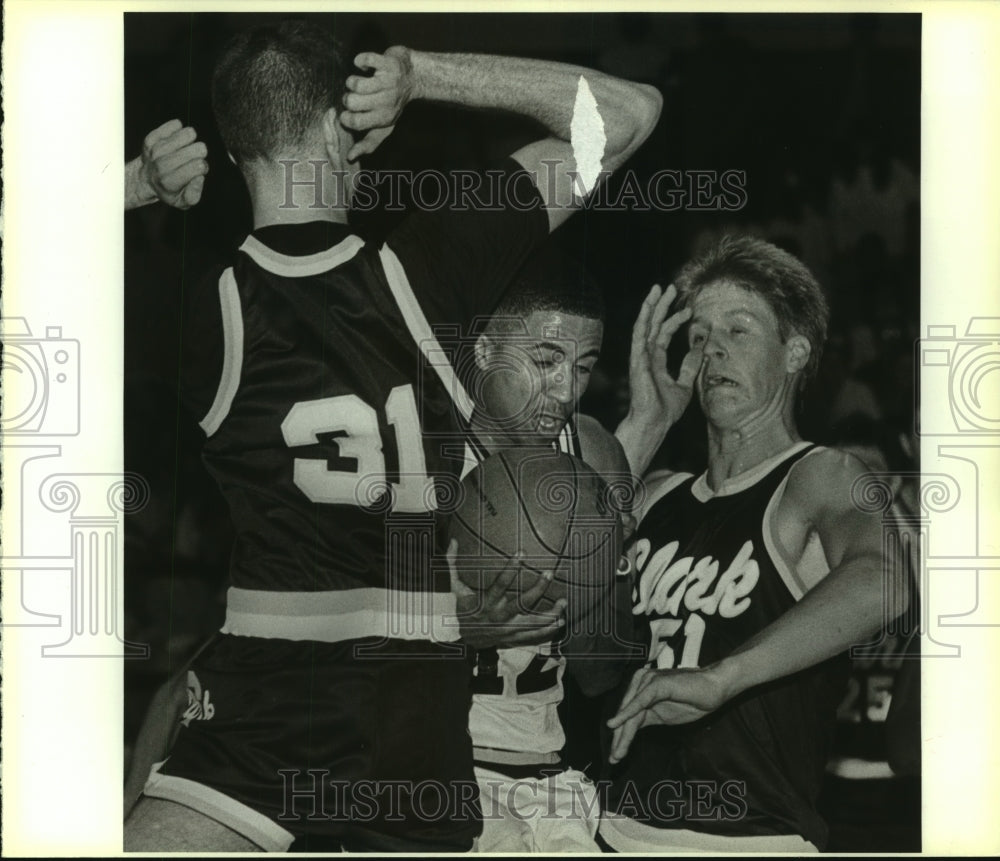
x=533, y=363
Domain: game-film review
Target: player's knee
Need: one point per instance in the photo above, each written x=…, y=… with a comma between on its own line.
x=157, y=825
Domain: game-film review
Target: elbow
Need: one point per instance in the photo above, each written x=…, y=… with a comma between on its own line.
x=638, y=109
x=652, y=103
x=647, y=104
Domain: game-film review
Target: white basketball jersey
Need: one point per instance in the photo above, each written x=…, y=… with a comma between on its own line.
x=516, y=692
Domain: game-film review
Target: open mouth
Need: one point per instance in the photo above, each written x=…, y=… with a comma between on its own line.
x=712, y=381
x=549, y=421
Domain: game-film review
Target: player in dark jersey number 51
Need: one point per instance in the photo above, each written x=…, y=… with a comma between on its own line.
x=753, y=581
x=325, y=404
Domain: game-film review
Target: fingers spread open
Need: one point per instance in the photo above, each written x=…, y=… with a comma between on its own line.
x=640, y=329
x=690, y=368
x=622, y=737
x=539, y=583
x=505, y=578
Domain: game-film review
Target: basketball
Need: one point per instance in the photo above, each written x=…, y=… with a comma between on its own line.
x=552, y=508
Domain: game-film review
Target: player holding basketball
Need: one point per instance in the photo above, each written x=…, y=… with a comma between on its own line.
x=306, y=365
x=753, y=580
x=533, y=363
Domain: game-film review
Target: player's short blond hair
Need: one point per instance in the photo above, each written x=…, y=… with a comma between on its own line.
x=780, y=278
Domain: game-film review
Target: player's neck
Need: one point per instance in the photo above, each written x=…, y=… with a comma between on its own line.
x=733, y=452
x=287, y=194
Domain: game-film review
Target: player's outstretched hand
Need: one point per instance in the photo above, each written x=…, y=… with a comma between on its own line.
x=654, y=393
x=373, y=103
x=172, y=168
x=666, y=697
x=495, y=616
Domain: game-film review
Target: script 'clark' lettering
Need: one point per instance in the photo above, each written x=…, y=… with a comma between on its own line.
x=665, y=583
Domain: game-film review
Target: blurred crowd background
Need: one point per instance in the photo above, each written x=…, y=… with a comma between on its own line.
x=819, y=114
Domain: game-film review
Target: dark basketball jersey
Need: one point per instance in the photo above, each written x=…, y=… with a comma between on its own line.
x=334, y=403
x=709, y=579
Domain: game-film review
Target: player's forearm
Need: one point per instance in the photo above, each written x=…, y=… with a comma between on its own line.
x=138, y=192
x=847, y=608
x=545, y=91
x=640, y=438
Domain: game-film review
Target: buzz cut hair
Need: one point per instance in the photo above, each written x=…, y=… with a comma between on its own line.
x=548, y=281
x=272, y=83
x=780, y=278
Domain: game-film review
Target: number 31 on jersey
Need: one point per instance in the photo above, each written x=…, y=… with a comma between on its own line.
x=358, y=422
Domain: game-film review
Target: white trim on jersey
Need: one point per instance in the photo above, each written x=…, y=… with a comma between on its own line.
x=813, y=566
x=514, y=757
x=658, y=485
x=232, y=355
x=216, y=805
x=738, y=483
x=305, y=266
x=421, y=330
x=342, y=614
x=567, y=440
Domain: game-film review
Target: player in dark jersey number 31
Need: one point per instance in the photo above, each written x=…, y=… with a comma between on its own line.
x=326, y=404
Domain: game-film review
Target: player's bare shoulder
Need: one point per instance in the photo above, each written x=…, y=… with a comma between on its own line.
x=817, y=505
x=820, y=484
x=601, y=449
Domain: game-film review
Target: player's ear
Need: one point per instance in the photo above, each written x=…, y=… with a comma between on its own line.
x=484, y=346
x=797, y=352
x=331, y=138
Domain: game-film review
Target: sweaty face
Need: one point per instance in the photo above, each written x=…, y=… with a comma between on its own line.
x=532, y=379
x=745, y=372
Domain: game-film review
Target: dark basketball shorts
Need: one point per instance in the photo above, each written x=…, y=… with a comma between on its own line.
x=302, y=741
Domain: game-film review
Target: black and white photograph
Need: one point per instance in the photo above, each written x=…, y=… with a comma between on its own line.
x=550, y=431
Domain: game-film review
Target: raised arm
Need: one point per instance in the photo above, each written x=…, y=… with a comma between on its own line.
x=656, y=400
x=595, y=121
x=172, y=168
